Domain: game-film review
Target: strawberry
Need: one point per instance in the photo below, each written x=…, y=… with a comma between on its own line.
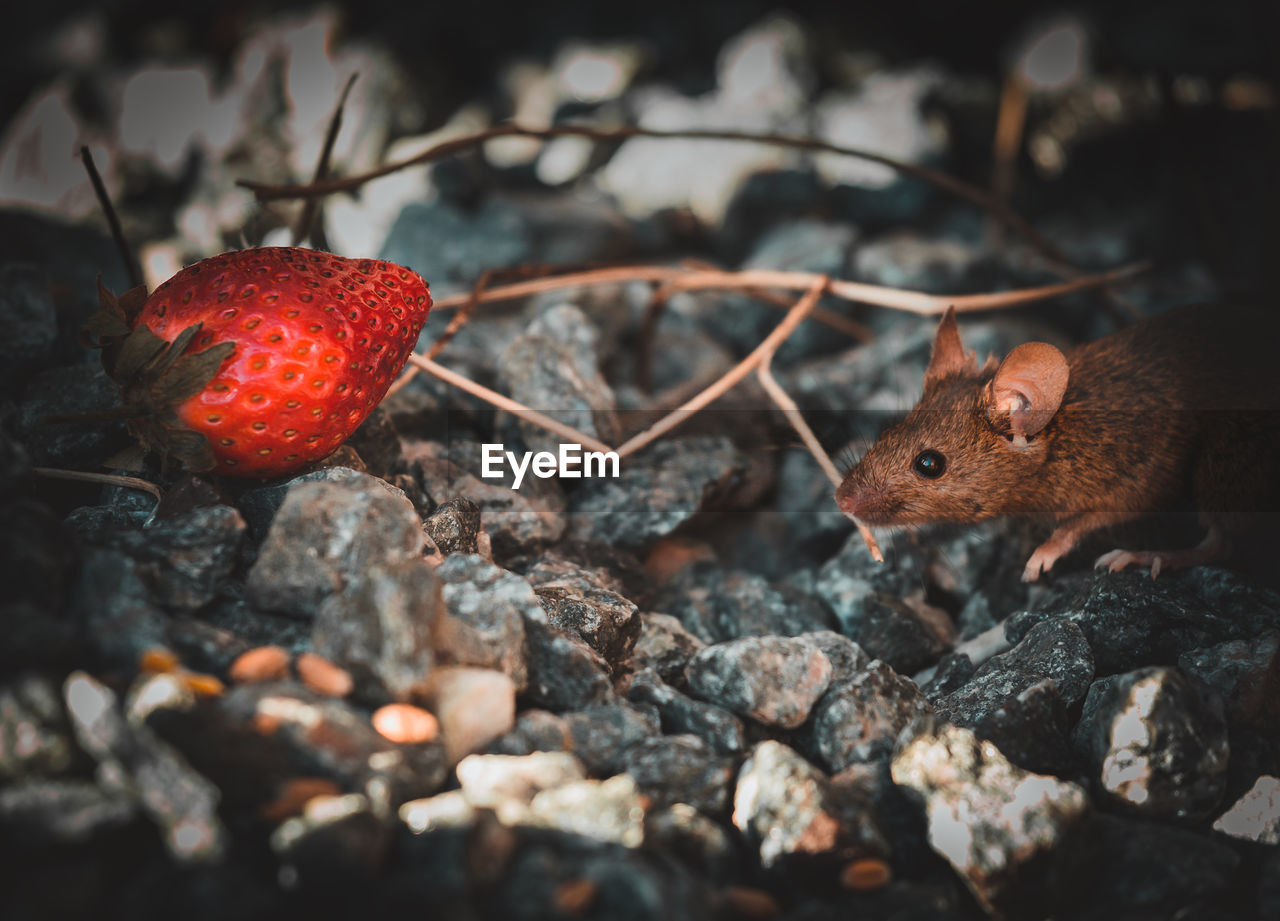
x=258, y=362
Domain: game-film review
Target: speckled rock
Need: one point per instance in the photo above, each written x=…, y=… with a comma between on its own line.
x=789, y=811
x=680, y=714
x=997, y=825
x=774, y=680
x=82, y=388
x=665, y=646
x=113, y=604
x=681, y=769
x=862, y=715
x=454, y=525
x=535, y=731
x=716, y=604
x=34, y=734
x=1156, y=742
x=259, y=505
x=380, y=628
x=605, y=620
x=564, y=672
x=1247, y=675
x=658, y=490
x=601, y=734
x=326, y=533
x=30, y=320
x=507, y=784
x=1256, y=815
x=609, y=810
x=485, y=610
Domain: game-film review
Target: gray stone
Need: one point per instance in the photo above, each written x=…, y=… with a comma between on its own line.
x=333, y=834
x=564, y=672
x=862, y=715
x=30, y=321
x=658, y=490
x=603, y=810
x=774, y=680
x=112, y=602
x=716, y=604
x=485, y=611
x=454, y=525
x=1156, y=742
x=1247, y=675
x=1256, y=815
x=997, y=825
x=82, y=388
x=34, y=735
x=665, y=646
x=680, y=714
x=325, y=534
x=602, y=734
x=606, y=621
x=44, y=812
x=681, y=769
x=259, y=506
x=380, y=628
x=535, y=731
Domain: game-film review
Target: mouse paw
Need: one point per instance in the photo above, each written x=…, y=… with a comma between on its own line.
x=1041, y=561
x=1117, y=560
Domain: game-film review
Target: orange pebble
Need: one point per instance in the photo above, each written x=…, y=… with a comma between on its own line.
x=405, y=723
x=865, y=874
x=751, y=903
x=575, y=896
x=158, y=660
x=265, y=663
x=265, y=724
x=294, y=795
x=322, y=676
x=203, y=685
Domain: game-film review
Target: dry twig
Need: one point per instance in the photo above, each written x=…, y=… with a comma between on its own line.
x=302, y=229
x=105, y=479
x=131, y=267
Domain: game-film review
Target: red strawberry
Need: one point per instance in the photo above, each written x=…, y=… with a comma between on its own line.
x=274, y=356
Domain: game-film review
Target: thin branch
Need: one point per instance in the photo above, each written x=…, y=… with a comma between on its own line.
x=896, y=298
x=105, y=479
x=793, y=415
x=771, y=342
x=303, y=227
x=970, y=193
x=507, y=404
x=131, y=266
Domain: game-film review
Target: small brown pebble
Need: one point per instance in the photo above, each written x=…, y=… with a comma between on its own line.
x=865, y=874
x=405, y=723
x=203, y=685
x=264, y=663
x=575, y=896
x=264, y=724
x=158, y=660
x=294, y=795
x=745, y=902
x=322, y=676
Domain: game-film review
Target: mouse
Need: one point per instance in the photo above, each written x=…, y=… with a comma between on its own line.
x=1181, y=405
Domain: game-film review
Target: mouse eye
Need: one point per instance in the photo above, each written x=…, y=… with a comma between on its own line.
x=929, y=464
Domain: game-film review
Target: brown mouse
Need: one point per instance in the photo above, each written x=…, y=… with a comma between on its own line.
x=1185, y=404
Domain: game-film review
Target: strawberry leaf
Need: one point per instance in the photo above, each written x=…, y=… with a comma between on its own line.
x=142, y=347
x=190, y=374
x=130, y=303
x=184, y=445
x=129, y=458
x=161, y=363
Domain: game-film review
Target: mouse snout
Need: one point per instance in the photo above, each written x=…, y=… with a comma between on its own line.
x=858, y=499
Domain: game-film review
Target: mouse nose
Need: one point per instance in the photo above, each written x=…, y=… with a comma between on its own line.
x=855, y=499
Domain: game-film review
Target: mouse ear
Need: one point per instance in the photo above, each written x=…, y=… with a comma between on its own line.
x=1028, y=386
x=949, y=356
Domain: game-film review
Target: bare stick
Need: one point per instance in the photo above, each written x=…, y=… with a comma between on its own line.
x=1010, y=122
x=131, y=267
x=973, y=194
x=507, y=404
x=895, y=298
x=796, y=418
x=730, y=379
x=105, y=479
x=308, y=214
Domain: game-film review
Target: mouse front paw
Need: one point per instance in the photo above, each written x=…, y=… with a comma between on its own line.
x=1117, y=560
x=1041, y=561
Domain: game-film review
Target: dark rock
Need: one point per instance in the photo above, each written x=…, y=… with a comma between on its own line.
x=564, y=672
x=588, y=564
x=895, y=631
x=259, y=506
x=1131, y=620
x=334, y=834
x=38, y=571
x=665, y=646
x=188, y=493
x=184, y=560
x=774, y=680
x=862, y=715
x=1247, y=675
x=1007, y=833
x=326, y=533
x=485, y=611
x=1151, y=867
x=607, y=622
x=716, y=604
x=453, y=526
x=380, y=628
x=846, y=656
x=113, y=604
x=71, y=390
x=519, y=522
x=951, y=673
x=789, y=810
x=43, y=813
x=657, y=491
x=1156, y=742
x=34, y=735
x=702, y=844
x=535, y=731
x=30, y=321
x=602, y=734
x=549, y=380
x=15, y=463
x=681, y=769
x=182, y=802
x=377, y=442
x=453, y=247
x=680, y=714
